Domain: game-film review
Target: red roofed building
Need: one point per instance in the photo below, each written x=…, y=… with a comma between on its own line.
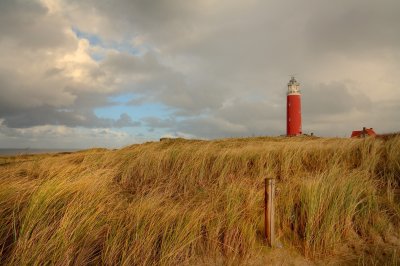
x=366, y=132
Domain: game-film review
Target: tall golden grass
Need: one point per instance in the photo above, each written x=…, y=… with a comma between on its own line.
x=185, y=201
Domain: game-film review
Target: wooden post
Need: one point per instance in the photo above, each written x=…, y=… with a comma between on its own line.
x=269, y=199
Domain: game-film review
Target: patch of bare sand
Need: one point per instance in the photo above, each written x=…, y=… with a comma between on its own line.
x=356, y=253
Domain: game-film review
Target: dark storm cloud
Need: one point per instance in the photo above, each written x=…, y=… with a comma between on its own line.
x=332, y=99
x=28, y=25
x=162, y=17
x=19, y=89
x=47, y=115
x=25, y=105
x=90, y=100
x=354, y=26
x=125, y=63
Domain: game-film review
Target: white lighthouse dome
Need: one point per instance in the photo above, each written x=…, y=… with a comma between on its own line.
x=293, y=87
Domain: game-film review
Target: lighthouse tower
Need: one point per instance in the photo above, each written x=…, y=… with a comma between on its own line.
x=293, y=118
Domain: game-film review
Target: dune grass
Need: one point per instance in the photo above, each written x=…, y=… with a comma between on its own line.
x=182, y=201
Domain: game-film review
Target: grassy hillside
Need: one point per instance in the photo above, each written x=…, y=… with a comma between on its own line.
x=185, y=202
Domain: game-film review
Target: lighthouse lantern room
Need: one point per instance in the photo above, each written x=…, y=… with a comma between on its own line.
x=293, y=117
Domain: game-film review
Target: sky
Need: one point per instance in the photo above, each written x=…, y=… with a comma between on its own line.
x=102, y=73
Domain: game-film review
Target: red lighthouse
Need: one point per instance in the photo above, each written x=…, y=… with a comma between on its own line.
x=293, y=118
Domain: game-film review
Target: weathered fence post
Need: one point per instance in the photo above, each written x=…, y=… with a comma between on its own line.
x=269, y=200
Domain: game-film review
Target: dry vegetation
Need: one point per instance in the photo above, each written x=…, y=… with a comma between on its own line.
x=186, y=202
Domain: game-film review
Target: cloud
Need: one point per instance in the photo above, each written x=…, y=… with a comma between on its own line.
x=62, y=137
x=220, y=68
x=46, y=115
x=47, y=76
x=128, y=64
x=356, y=27
x=235, y=118
x=125, y=121
x=30, y=26
x=332, y=99
x=155, y=122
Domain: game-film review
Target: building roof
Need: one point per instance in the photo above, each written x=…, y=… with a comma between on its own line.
x=363, y=133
